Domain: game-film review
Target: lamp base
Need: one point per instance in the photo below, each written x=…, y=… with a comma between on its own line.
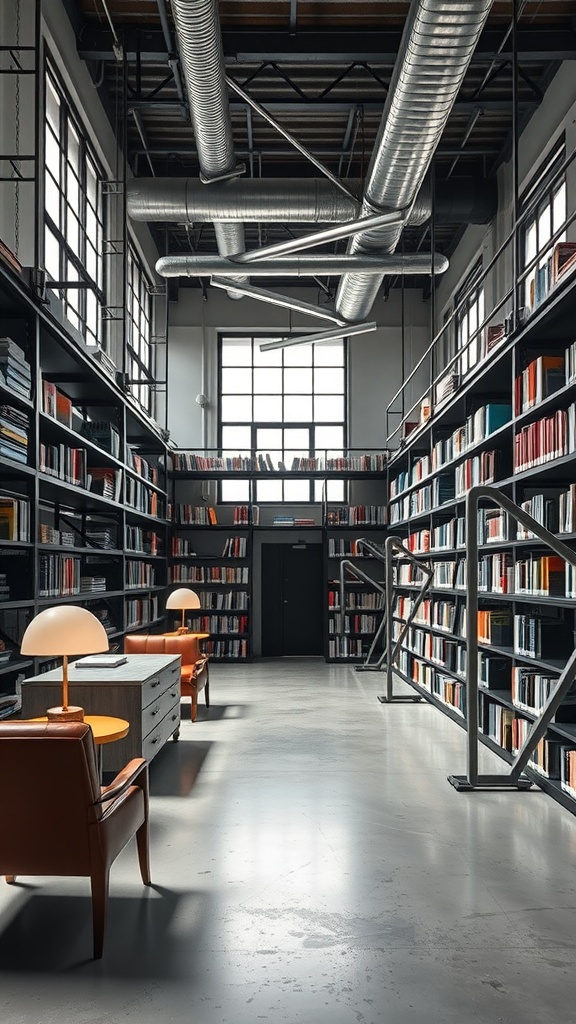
x=70, y=714
x=182, y=631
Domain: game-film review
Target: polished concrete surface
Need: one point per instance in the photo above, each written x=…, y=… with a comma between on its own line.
x=311, y=864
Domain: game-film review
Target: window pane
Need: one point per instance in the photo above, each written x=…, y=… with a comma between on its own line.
x=51, y=255
x=297, y=438
x=91, y=183
x=329, y=354
x=237, y=438
x=267, y=381
x=52, y=155
x=261, y=358
x=298, y=408
x=334, y=490
x=329, y=437
x=237, y=407
x=267, y=408
x=544, y=225
x=91, y=311
x=530, y=243
x=236, y=381
x=52, y=199
x=72, y=190
x=559, y=207
x=329, y=407
x=298, y=355
x=73, y=232
x=73, y=153
x=52, y=107
x=298, y=382
x=236, y=491
x=237, y=352
x=268, y=440
x=269, y=490
x=329, y=381
x=297, y=490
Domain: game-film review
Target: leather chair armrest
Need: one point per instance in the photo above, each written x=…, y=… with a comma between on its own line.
x=125, y=778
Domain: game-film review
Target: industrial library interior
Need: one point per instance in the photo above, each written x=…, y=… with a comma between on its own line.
x=403, y=502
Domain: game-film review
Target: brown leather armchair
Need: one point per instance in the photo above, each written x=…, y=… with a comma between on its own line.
x=194, y=671
x=58, y=819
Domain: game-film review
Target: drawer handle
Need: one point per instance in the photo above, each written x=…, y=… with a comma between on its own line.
x=155, y=684
x=174, y=718
x=155, y=712
x=155, y=740
x=174, y=693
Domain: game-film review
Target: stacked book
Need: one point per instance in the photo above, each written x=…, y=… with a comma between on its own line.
x=92, y=584
x=103, y=434
x=100, y=536
x=283, y=521
x=13, y=433
x=15, y=371
x=4, y=588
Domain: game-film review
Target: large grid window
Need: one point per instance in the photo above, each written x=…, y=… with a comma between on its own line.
x=289, y=403
x=469, y=320
x=545, y=205
x=139, y=313
x=73, y=218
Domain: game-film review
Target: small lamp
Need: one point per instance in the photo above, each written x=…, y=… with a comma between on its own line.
x=61, y=631
x=183, y=598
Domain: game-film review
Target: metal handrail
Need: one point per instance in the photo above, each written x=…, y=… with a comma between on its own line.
x=393, y=547
x=515, y=779
x=346, y=564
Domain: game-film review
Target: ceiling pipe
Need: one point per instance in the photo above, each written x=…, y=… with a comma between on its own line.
x=197, y=25
x=437, y=44
x=291, y=200
x=302, y=266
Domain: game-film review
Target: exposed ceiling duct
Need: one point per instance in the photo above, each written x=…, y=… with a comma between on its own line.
x=437, y=44
x=291, y=200
x=302, y=266
x=199, y=38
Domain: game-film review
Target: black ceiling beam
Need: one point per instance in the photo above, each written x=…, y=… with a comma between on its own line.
x=309, y=46
x=295, y=106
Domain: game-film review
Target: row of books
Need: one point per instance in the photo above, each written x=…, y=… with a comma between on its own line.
x=220, y=624
x=353, y=624
x=226, y=648
x=346, y=647
x=14, y=518
x=541, y=378
x=142, y=541
x=48, y=534
x=231, y=600
x=143, y=467
x=59, y=575
x=246, y=515
x=235, y=547
x=186, y=514
x=64, y=463
x=182, y=548
x=141, y=611
x=484, y=468
x=357, y=515
x=141, y=498
x=362, y=601
x=546, y=439
x=341, y=547
x=212, y=574
x=139, y=575
x=56, y=404
x=104, y=435
x=15, y=372
x=14, y=427
x=192, y=462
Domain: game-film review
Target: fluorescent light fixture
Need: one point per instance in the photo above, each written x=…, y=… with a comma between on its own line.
x=330, y=335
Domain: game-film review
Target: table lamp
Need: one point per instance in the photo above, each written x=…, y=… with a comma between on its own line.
x=61, y=631
x=183, y=598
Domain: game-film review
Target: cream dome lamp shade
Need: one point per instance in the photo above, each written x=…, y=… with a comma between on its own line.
x=185, y=599
x=59, y=632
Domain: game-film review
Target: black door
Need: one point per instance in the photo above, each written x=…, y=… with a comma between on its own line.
x=292, y=600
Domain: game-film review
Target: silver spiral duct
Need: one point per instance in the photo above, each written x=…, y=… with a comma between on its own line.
x=290, y=200
x=437, y=44
x=302, y=266
x=197, y=25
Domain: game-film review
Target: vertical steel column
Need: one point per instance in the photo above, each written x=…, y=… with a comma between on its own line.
x=389, y=588
x=472, y=632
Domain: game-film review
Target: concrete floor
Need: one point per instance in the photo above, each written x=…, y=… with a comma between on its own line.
x=311, y=863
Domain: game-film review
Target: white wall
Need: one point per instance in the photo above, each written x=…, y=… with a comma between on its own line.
x=374, y=359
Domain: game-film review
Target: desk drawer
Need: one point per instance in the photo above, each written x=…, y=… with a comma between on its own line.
x=156, y=739
x=159, y=708
x=157, y=685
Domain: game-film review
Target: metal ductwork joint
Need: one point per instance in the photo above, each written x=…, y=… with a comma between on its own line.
x=199, y=38
x=437, y=44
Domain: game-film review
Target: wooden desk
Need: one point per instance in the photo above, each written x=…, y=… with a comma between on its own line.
x=144, y=691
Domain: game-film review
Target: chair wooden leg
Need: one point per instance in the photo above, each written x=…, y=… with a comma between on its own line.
x=100, y=882
x=194, y=705
x=143, y=843
x=207, y=688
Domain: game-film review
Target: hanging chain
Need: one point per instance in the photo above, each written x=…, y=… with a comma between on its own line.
x=17, y=138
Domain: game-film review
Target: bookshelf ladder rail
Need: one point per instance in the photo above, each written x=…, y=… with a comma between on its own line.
x=515, y=779
x=393, y=547
x=362, y=577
